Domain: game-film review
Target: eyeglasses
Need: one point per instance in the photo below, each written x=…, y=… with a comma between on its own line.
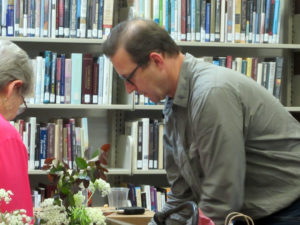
x=128, y=79
x=22, y=107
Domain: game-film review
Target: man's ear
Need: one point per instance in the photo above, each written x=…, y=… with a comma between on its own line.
x=13, y=86
x=157, y=58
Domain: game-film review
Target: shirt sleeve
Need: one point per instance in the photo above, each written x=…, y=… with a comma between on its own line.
x=14, y=174
x=218, y=132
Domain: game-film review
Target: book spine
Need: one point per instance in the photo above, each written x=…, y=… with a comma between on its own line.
x=202, y=21
x=198, y=20
x=86, y=88
x=183, y=20
x=61, y=12
x=100, y=19
x=278, y=75
x=267, y=21
x=47, y=87
x=218, y=21
x=83, y=19
x=193, y=19
x=53, y=78
x=212, y=20
x=95, y=83
x=61, y=93
x=66, y=18
x=207, y=22
x=89, y=16
x=37, y=18
x=73, y=5
x=58, y=79
x=271, y=21
x=10, y=18
x=16, y=18
x=68, y=77
x=76, y=78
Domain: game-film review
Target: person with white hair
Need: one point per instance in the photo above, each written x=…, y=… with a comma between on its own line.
x=16, y=82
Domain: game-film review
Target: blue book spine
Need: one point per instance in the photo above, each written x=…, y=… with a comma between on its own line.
x=216, y=62
x=47, y=87
x=173, y=19
x=100, y=19
x=78, y=18
x=10, y=19
x=43, y=145
x=62, y=78
x=276, y=17
x=207, y=22
x=193, y=21
x=42, y=17
x=167, y=15
x=267, y=21
x=53, y=78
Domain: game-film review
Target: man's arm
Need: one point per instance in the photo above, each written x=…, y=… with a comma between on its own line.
x=219, y=133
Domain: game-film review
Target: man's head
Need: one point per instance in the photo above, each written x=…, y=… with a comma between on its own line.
x=138, y=50
x=139, y=38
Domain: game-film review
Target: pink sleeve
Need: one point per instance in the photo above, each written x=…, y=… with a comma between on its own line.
x=14, y=174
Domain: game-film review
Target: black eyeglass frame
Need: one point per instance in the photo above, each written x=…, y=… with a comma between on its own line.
x=128, y=79
x=24, y=102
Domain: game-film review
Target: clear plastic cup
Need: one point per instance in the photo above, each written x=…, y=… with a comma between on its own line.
x=117, y=197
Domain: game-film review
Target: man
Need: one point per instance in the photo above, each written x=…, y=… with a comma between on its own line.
x=229, y=144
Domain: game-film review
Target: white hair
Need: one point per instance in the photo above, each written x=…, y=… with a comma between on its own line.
x=15, y=65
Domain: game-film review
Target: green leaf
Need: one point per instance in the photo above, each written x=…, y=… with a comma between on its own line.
x=95, y=153
x=65, y=190
x=81, y=163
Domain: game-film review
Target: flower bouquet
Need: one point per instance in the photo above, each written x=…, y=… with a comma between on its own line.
x=17, y=217
x=74, y=189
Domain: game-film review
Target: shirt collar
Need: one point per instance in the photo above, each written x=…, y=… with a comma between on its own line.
x=183, y=87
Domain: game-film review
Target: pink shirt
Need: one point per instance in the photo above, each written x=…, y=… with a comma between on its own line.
x=14, y=168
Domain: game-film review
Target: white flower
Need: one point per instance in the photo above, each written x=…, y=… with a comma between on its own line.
x=52, y=214
x=5, y=195
x=91, y=187
x=78, y=199
x=102, y=186
x=96, y=216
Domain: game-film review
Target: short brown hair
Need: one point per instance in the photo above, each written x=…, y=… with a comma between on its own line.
x=140, y=37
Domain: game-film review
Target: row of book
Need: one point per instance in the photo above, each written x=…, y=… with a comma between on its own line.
x=63, y=139
x=80, y=79
x=265, y=71
x=147, y=147
x=56, y=18
x=239, y=21
x=148, y=196
x=140, y=99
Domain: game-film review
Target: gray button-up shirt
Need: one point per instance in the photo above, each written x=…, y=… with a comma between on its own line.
x=230, y=145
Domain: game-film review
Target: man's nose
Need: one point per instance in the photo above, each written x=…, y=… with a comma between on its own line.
x=129, y=87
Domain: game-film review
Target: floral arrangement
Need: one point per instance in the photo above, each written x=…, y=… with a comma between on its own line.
x=69, y=204
x=17, y=217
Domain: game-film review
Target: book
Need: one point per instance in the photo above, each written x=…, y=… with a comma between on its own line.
x=108, y=12
x=86, y=81
x=76, y=78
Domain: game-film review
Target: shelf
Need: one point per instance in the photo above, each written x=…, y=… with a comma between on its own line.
x=80, y=106
x=180, y=43
x=148, y=107
x=111, y=171
x=293, y=109
x=54, y=40
x=148, y=172
x=238, y=45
